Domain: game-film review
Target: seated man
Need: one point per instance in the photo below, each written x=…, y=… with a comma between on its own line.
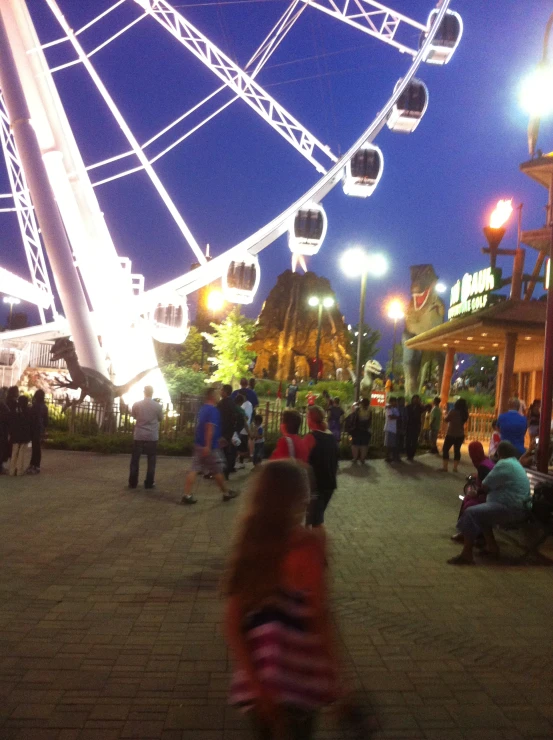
x=508, y=491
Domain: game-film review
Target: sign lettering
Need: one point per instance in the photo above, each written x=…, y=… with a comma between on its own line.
x=471, y=293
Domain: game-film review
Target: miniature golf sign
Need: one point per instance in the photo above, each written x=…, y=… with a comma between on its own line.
x=472, y=292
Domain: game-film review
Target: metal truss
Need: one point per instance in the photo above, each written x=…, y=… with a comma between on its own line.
x=370, y=17
x=25, y=214
x=241, y=83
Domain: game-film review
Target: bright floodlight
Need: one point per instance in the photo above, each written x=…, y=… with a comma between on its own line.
x=313, y=300
x=215, y=300
x=501, y=214
x=328, y=302
x=11, y=300
x=395, y=310
x=441, y=287
x=356, y=262
x=536, y=92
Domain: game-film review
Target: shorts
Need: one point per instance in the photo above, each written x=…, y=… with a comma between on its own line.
x=212, y=463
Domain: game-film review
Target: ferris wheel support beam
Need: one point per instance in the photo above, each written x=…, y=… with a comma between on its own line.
x=265, y=236
x=55, y=238
x=102, y=89
x=371, y=17
x=241, y=83
x=26, y=217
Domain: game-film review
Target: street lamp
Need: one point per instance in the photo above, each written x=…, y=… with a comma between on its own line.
x=396, y=313
x=12, y=302
x=441, y=287
x=321, y=302
x=355, y=263
x=539, y=102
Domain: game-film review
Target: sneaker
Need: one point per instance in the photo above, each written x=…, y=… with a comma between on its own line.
x=148, y=488
x=230, y=494
x=189, y=499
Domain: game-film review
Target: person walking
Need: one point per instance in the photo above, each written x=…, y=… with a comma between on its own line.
x=322, y=456
x=512, y=426
x=435, y=424
x=246, y=411
x=455, y=434
x=20, y=428
x=148, y=414
x=247, y=390
x=390, y=431
x=277, y=621
x=291, y=394
x=414, y=412
x=207, y=458
x=230, y=425
x=359, y=426
x=334, y=416
x=39, y=413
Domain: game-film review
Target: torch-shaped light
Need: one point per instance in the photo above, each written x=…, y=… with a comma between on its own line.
x=495, y=232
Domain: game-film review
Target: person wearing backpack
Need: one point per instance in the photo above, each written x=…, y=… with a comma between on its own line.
x=359, y=426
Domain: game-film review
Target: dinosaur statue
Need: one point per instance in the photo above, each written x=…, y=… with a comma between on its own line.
x=425, y=312
x=89, y=381
x=371, y=371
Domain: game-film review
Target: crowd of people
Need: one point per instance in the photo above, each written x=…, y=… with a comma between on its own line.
x=23, y=422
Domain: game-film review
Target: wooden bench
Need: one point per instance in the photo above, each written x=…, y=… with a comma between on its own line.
x=534, y=477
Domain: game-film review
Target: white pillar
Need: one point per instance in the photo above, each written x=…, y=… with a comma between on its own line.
x=53, y=232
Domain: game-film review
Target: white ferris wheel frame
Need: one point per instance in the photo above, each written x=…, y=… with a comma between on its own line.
x=380, y=22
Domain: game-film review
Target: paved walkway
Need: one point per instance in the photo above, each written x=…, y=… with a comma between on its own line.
x=110, y=610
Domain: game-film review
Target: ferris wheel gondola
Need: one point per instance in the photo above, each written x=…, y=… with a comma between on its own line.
x=241, y=279
x=409, y=108
x=363, y=171
x=307, y=232
x=169, y=320
x=446, y=39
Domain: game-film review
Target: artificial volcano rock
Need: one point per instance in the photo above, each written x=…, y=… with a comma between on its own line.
x=286, y=331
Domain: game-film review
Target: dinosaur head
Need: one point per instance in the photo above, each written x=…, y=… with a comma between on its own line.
x=62, y=349
x=423, y=280
x=373, y=367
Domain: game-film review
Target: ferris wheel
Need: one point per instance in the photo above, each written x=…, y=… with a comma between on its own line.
x=53, y=191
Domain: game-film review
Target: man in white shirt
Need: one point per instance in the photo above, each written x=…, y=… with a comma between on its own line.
x=148, y=413
x=244, y=449
x=390, y=430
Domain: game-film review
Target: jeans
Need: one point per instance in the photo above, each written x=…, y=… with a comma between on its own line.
x=477, y=518
x=456, y=443
x=149, y=449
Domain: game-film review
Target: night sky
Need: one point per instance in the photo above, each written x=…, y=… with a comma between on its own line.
x=236, y=173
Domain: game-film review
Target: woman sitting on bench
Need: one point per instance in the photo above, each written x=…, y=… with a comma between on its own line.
x=508, y=490
x=483, y=466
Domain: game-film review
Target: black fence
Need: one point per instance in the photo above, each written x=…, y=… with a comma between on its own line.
x=179, y=421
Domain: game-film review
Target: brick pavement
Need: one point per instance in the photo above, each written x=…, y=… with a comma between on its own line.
x=110, y=610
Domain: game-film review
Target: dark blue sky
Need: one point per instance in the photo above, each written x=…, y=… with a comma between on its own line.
x=236, y=173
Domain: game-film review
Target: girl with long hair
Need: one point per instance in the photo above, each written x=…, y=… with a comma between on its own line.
x=276, y=620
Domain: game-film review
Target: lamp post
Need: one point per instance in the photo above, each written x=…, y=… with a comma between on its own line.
x=396, y=313
x=355, y=263
x=12, y=302
x=321, y=302
x=537, y=98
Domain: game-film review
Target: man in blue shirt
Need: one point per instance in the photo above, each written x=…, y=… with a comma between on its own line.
x=247, y=391
x=512, y=426
x=207, y=455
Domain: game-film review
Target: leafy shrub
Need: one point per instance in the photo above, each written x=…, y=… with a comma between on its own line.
x=114, y=444
x=183, y=380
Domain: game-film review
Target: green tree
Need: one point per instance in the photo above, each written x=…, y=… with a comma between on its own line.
x=369, y=344
x=482, y=370
x=183, y=380
x=230, y=340
x=187, y=354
